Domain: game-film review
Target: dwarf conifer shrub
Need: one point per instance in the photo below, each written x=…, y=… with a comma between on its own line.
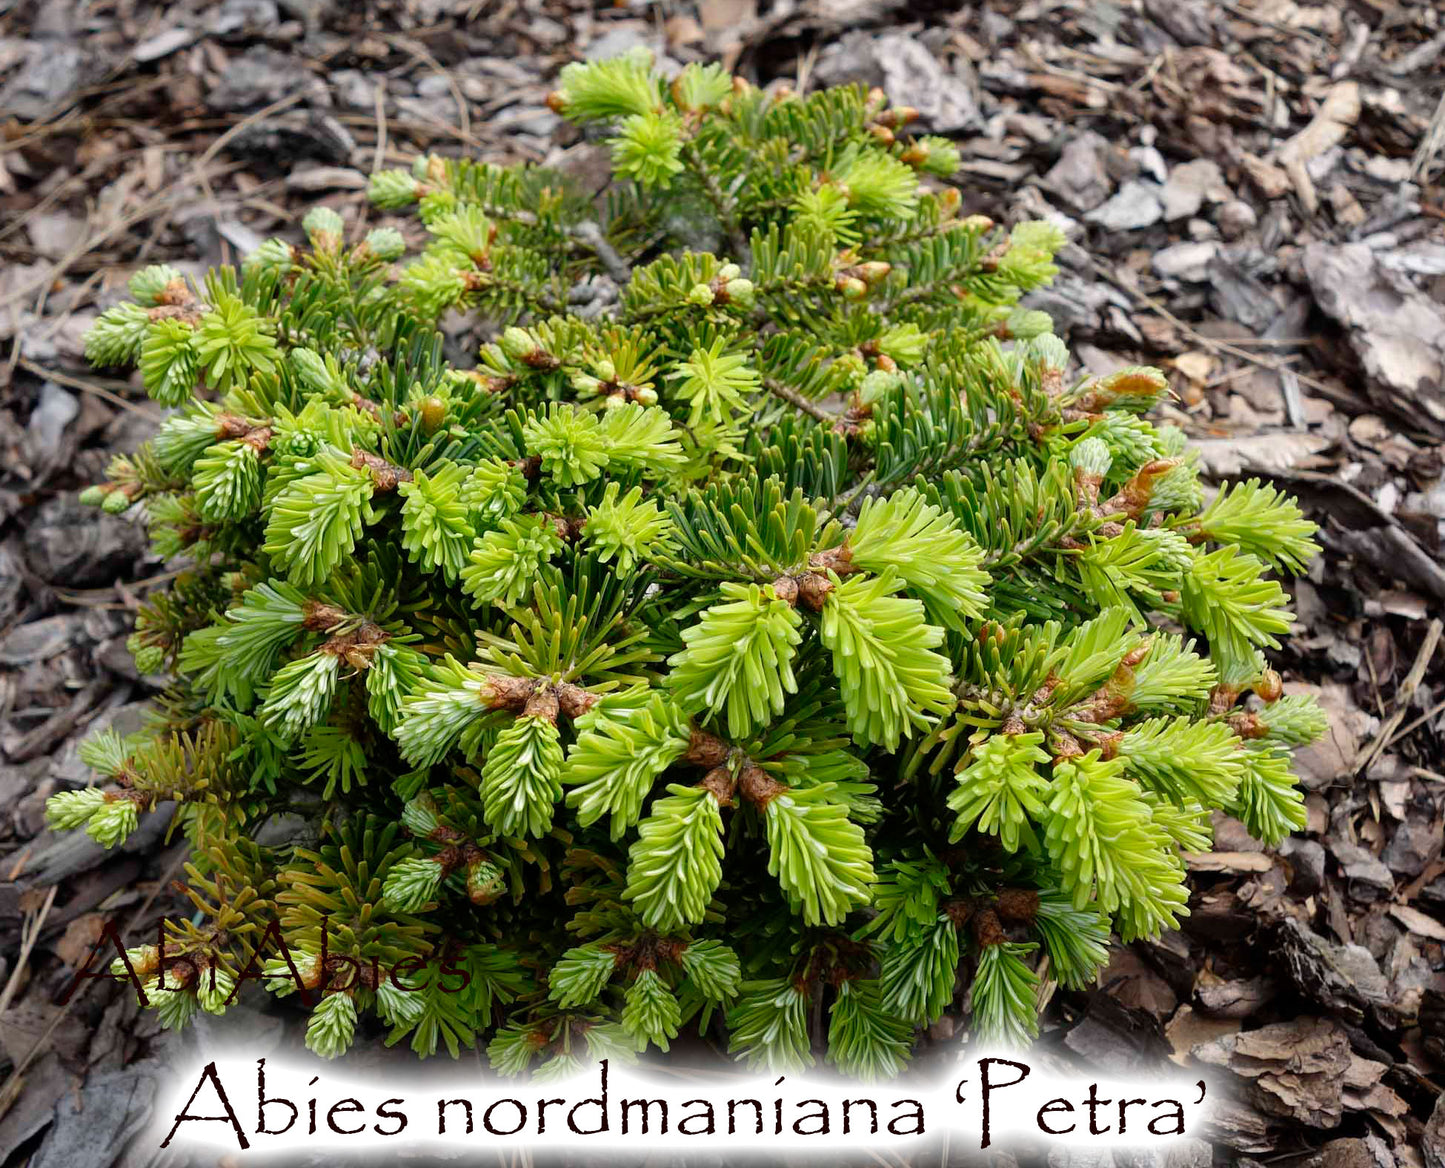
x=765, y=632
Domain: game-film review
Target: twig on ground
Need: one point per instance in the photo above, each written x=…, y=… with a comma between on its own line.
x=1403, y=694
x=379, y=158
x=28, y=937
x=418, y=51
x=70, y=382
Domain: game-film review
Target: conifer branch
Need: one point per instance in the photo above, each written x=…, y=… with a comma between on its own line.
x=621, y=644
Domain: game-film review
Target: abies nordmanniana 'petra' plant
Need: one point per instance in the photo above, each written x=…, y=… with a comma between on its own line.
x=765, y=632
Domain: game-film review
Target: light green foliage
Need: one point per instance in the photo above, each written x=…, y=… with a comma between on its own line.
x=169, y=361
x=412, y=884
x=772, y=635
x=71, y=809
x=505, y=561
x=521, y=779
x=620, y=750
x=1102, y=836
x=580, y=974
x=739, y=658
x=300, y=694
x=651, y=1013
x=883, y=654
x=227, y=481
x=1227, y=598
x=648, y=148
x=1001, y=791
x=676, y=860
x=332, y=1026
x=116, y=338
x=768, y=1026
x=1003, y=997
x=817, y=853
x=865, y=1040
x=1184, y=760
x=436, y=529
x=151, y=285
x=1269, y=802
x=624, y=86
x=931, y=555
x=232, y=341
x=714, y=383
x=712, y=968
x=316, y=521
x=627, y=529
x=1262, y=521
x=918, y=973
x=439, y=710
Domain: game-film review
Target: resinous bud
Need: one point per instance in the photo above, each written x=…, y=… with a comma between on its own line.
x=433, y=414
x=517, y=343
x=1270, y=686
x=386, y=244
x=742, y=293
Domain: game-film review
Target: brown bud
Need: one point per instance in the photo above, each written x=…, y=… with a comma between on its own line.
x=506, y=692
x=259, y=438
x=318, y=618
x=384, y=476
x=959, y=911
x=837, y=559
x=1018, y=906
x=813, y=590
x=758, y=787
x=720, y=783
x=188, y=313
x=1270, y=686
x=987, y=928
x=542, y=704
x=175, y=292
x=785, y=588
x=704, y=749
x=1108, y=744
x=1248, y=726
x=574, y=700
